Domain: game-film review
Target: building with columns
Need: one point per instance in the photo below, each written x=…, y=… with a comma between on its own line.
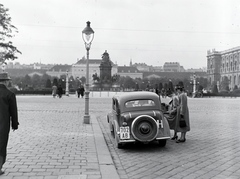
x=79, y=68
x=224, y=64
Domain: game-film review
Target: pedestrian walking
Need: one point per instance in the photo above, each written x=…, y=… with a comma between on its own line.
x=54, y=91
x=59, y=91
x=8, y=116
x=82, y=90
x=183, y=122
x=78, y=91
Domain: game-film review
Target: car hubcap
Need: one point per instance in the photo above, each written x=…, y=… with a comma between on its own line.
x=144, y=128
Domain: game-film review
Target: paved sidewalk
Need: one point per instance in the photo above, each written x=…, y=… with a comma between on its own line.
x=52, y=142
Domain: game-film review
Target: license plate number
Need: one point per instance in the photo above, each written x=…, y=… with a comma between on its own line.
x=124, y=133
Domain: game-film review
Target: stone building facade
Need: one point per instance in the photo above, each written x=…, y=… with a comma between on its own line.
x=79, y=69
x=172, y=67
x=224, y=64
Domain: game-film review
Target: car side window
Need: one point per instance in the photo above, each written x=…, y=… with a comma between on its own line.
x=139, y=103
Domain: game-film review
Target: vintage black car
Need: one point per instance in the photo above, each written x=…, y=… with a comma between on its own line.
x=137, y=117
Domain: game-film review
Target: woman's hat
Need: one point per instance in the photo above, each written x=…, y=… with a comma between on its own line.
x=4, y=77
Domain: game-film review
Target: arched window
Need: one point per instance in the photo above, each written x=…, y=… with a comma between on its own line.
x=231, y=68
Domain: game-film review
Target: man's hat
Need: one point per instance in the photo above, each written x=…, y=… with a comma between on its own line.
x=4, y=77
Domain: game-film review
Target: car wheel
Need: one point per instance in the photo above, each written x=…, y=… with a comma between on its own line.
x=162, y=143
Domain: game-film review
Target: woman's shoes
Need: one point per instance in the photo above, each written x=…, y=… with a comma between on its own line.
x=180, y=140
x=174, y=137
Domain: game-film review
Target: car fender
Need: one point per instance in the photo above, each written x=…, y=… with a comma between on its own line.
x=116, y=130
x=166, y=126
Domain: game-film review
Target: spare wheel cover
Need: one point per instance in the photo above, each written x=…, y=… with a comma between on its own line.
x=144, y=128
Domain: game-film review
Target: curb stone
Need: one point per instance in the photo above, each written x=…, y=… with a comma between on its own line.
x=106, y=164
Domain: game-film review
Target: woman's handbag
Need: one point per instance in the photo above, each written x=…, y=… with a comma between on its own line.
x=182, y=122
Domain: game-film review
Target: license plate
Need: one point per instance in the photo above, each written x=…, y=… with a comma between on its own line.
x=124, y=133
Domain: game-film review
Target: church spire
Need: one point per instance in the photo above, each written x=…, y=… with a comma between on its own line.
x=130, y=63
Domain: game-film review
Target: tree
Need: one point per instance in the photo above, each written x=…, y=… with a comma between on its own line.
x=215, y=89
x=200, y=88
x=7, y=50
x=129, y=82
x=83, y=79
x=160, y=86
x=136, y=87
x=48, y=83
x=170, y=86
x=26, y=82
x=224, y=85
x=55, y=82
x=35, y=81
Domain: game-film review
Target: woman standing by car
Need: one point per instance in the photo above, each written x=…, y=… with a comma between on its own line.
x=182, y=123
x=173, y=113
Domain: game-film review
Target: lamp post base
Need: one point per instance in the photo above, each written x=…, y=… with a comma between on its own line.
x=86, y=119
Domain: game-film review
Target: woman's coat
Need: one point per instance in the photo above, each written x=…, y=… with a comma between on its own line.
x=183, y=110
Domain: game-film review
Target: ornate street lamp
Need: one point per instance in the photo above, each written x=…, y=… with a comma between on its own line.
x=194, y=85
x=87, y=35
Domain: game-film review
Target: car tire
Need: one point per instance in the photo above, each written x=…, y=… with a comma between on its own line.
x=162, y=143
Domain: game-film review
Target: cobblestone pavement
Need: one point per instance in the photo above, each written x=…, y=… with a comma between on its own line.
x=212, y=148
x=52, y=141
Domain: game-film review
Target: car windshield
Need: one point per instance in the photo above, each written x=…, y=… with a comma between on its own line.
x=139, y=103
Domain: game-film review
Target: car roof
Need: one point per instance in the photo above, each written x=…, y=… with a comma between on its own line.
x=128, y=96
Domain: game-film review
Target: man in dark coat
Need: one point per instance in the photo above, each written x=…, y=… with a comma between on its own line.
x=60, y=91
x=78, y=91
x=82, y=90
x=8, y=116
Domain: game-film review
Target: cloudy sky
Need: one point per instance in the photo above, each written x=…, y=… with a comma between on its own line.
x=144, y=31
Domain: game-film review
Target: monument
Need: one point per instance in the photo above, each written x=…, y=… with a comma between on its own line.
x=106, y=72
